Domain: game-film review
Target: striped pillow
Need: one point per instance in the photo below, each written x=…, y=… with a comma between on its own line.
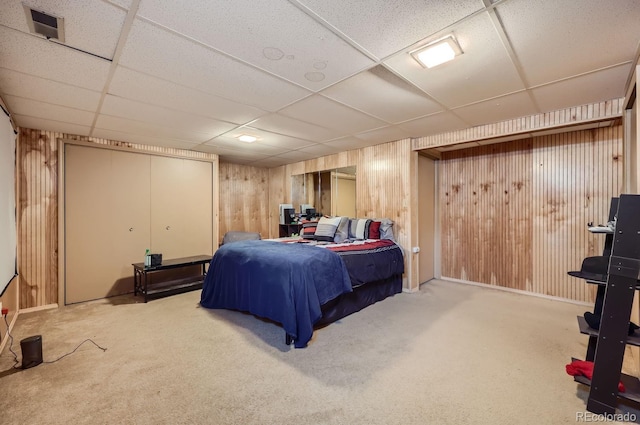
x=309, y=229
x=326, y=229
x=359, y=228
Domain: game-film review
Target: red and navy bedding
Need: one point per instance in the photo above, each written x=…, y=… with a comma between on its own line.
x=289, y=282
x=369, y=260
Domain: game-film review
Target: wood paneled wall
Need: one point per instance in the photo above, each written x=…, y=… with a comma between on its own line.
x=37, y=204
x=515, y=214
x=385, y=188
x=244, y=199
x=525, y=126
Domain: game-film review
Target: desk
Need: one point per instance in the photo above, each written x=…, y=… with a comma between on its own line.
x=177, y=286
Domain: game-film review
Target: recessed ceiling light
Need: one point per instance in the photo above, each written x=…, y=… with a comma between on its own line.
x=246, y=138
x=438, y=52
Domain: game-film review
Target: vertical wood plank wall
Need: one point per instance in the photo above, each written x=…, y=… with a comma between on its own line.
x=515, y=214
x=37, y=208
x=385, y=178
x=244, y=199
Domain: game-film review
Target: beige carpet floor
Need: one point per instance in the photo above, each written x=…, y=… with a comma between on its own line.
x=450, y=354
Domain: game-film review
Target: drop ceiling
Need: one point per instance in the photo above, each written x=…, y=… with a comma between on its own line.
x=306, y=77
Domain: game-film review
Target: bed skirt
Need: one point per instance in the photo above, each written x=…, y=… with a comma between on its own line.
x=361, y=297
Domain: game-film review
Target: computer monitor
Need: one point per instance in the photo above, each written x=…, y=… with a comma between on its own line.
x=310, y=213
x=285, y=216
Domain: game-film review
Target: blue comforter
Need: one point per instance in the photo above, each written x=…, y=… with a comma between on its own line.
x=286, y=283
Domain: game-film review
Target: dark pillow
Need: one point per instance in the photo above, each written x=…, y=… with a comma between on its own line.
x=374, y=230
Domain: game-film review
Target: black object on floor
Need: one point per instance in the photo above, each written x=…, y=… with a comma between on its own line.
x=593, y=321
x=31, y=351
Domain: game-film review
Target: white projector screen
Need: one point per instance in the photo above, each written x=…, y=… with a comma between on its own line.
x=7, y=201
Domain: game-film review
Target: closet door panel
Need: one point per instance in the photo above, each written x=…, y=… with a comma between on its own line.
x=88, y=197
x=167, y=203
x=197, y=216
x=130, y=216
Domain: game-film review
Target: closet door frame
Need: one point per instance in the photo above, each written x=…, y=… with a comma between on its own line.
x=148, y=150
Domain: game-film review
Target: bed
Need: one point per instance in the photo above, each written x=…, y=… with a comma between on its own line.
x=302, y=284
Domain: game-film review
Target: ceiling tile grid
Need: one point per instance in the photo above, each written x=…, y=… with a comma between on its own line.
x=324, y=112
x=190, y=124
x=48, y=111
x=47, y=91
x=384, y=27
x=382, y=94
x=134, y=85
x=484, y=69
x=155, y=51
x=90, y=25
x=569, y=37
x=272, y=35
x=306, y=77
x=36, y=56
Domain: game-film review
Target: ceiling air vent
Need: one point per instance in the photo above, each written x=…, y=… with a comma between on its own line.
x=44, y=24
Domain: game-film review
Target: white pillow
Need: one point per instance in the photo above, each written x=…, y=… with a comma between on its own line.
x=342, y=232
x=327, y=227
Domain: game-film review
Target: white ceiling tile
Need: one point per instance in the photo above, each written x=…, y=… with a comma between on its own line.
x=381, y=93
x=499, y=109
x=433, y=124
x=274, y=35
x=51, y=61
x=198, y=72
x=264, y=138
x=140, y=128
x=570, y=38
x=133, y=85
x=280, y=141
x=589, y=88
x=125, y=4
x=383, y=135
x=256, y=148
x=321, y=149
x=190, y=124
x=349, y=143
x=92, y=26
x=324, y=112
x=296, y=156
x=249, y=150
x=141, y=139
x=484, y=69
x=50, y=125
x=157, y=52
x=36, y=88
x=48, y=111
x=285, y=125
x=386, y=26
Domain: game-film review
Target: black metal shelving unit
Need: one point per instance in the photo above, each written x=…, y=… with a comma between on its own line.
x=614, y=300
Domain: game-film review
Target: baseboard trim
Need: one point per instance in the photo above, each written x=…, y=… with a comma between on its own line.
x=517, y=291
x=39, y=308
x=8, y=331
